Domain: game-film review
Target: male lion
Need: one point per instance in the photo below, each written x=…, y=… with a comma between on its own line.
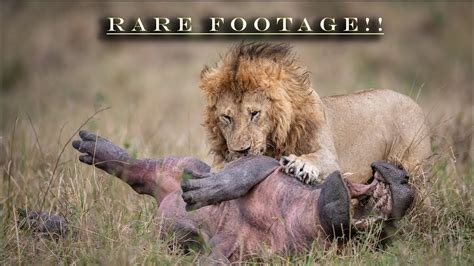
x=260, y=102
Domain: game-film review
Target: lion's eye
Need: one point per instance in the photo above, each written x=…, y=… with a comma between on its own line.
x=226, y=119
x=254, y=115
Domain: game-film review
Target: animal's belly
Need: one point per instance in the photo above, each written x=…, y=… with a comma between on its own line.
x=279, y=215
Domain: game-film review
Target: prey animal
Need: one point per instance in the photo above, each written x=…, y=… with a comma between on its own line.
x=250, y=208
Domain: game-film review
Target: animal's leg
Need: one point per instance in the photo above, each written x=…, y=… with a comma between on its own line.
x=313, y=167
x=155, y=177
x=102, y=153
x=310, y=168
x=235, y=181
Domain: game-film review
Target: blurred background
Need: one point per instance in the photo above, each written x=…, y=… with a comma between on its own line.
x=55, y=72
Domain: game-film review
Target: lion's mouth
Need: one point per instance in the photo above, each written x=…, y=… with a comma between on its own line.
x=232, y=156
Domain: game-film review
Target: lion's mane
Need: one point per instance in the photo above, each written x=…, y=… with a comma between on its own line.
x=296, y=111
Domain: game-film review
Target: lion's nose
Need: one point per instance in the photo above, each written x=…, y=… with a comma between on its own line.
x=243, y=151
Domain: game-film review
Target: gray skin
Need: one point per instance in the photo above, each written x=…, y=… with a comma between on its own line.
x=42, y=223
x=250, y=208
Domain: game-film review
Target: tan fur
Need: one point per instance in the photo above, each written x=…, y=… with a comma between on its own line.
x=292, y=119
x=377, y=125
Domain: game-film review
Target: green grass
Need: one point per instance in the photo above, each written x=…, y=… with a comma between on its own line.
x=111, y=224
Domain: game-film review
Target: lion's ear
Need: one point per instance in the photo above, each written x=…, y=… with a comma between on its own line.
x=211, y=80
x=207, y=83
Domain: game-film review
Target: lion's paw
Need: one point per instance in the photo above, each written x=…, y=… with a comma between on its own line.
x=301, y=168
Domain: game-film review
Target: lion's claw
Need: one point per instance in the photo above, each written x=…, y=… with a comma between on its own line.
x=300, y=168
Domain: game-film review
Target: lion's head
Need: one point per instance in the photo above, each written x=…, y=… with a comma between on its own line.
x=259, y=101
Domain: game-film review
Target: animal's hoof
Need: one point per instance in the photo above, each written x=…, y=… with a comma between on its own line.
x=301, y=168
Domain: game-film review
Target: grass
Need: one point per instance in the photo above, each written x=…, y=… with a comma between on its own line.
x=55, y=75
x=111, y=224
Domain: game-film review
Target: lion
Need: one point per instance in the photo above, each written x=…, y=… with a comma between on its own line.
x=260, y=102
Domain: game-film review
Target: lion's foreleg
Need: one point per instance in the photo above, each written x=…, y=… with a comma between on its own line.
x=311, y=168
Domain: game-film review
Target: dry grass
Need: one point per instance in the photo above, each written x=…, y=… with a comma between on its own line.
x=55, y=73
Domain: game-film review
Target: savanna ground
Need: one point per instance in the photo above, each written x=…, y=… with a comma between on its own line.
x=56, y=72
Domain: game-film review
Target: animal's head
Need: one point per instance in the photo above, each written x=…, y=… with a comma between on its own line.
x=257, y=96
